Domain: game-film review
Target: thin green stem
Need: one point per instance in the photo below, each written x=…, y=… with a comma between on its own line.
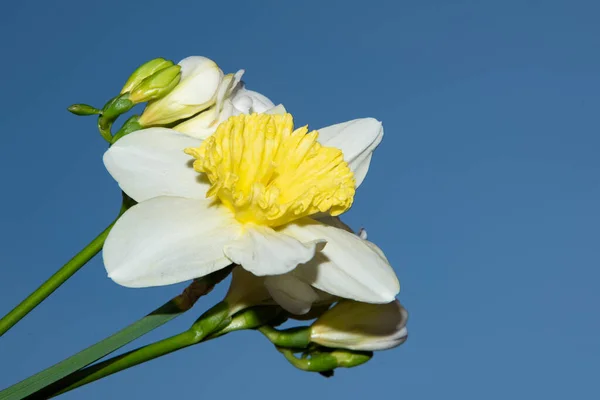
x=211, y=321
x=128, y=360
x=298, y=337
x=46, y=382
x=324, y=359
x=212, y=324
x=132, y=359
x=60, y=277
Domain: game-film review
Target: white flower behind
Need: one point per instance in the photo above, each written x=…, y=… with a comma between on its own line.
x=232, y=99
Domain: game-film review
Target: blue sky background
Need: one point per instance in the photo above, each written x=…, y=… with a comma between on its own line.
x=484, y=193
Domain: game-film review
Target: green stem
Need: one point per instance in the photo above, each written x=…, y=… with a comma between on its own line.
x=211, y=321
x=209, y=326
x=104, y=127
x=127, y=360
x=325, y=360
x=51, y=379
x=60, y=277
x=297, y=338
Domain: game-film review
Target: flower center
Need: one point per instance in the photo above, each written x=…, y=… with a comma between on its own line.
x=270, y=174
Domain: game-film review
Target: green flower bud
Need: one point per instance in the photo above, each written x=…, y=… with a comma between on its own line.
x=83, y=109
x=156, y=85
x=144, y=71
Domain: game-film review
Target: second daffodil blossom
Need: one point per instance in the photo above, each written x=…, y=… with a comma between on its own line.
x=246, y=195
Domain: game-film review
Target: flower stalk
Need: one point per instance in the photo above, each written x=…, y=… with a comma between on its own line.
x=48, y=380
x=326, y=360
x=60, y=276
x=214, y=323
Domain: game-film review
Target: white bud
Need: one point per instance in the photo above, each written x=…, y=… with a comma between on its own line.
x=196, y=91
x=361, y=326
x=204, y=124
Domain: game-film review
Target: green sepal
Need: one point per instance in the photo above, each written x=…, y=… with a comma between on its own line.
x=131, y=125
x=117, y=106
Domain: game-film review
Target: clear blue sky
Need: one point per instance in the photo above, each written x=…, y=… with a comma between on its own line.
x=484, y=193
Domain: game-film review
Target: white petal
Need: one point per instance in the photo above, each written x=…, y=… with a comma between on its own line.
x=348, y=266
x=248, y=101
x=201, y=126
x=237, y=82
x=357, y=139
x=151, y=162
x=228, y=85
x=200, y=79
x=333, y=221
x=263, y=251
x=189, y=64
x=361, y=326
x=279, y=109
x=291, y=293
x=246, y=290
x=167, y=240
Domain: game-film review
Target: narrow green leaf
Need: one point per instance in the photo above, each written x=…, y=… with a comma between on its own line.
x=215, y=320
x=158, y=317
x=60, y=276
x=93, y=353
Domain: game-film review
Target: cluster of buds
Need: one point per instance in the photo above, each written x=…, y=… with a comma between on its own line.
x=192, y=97
x=343, y=335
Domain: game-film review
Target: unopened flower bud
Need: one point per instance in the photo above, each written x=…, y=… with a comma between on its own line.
x=144, y=71
x=204, y=124
x=196, y=91
x=157, y=85
x=361, y=326
x=83, y=109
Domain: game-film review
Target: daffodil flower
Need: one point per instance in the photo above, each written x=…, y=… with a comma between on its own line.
x=247, y=195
